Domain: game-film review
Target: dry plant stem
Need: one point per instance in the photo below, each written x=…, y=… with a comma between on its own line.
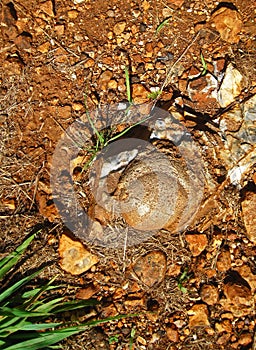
x=125, y=246
x=166, y=81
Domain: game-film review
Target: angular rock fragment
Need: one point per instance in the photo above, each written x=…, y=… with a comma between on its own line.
x=238, y=299
x=75, y=258
x=231, y=86
x=209, y=294
x=224, y=261
x=228, y=23
x=198, y=316
x=197, y=243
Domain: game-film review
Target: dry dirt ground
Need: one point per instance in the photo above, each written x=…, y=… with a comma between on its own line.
x=191, y=290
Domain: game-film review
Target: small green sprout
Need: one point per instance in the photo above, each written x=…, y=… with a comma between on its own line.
x=133, y=332
x=162, y=24
x=128, y=85
x=183, y=278
x=154, y=94
x=104, y=137
x=204, y=64
x=113, y=339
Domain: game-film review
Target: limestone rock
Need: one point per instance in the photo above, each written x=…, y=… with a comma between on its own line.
x=231, y=86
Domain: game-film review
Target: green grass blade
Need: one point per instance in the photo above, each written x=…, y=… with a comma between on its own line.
x=41, y=290
x=42, y=341
x=10, y=312
x=7, y=331
x=7, y=323
x=74, y=305
x=40, y=326
x=99, y=136
x=33, y=292
x=162, y=24
x=128, y=129
x=9, y=261
x=11, y=290
x=128, y=85
x=204, y=64
x=49, y=306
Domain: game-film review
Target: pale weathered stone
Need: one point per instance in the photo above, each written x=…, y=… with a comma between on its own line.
x=119, y=27
x=74, y=257
x=231, y=86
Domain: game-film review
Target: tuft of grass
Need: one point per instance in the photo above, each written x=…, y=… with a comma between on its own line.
x=154, y=94
x=113, y=339
x=25, y=317
x=105, y=137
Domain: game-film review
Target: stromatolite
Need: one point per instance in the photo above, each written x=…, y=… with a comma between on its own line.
x=153, y=191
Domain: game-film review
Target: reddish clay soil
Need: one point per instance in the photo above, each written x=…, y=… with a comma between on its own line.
x=193, y=289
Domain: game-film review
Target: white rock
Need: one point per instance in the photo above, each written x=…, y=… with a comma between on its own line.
x=231, y=86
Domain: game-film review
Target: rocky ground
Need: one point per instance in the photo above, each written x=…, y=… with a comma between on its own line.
x=193, y=289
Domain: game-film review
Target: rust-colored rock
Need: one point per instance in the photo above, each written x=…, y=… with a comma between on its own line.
x=248, y=209
x=74, y=257
x=228, y=23
x=151, y=268
x=209, y=294
x=198, y=316
x=176, y=3
x=238, y=300
x=246, y=273
x=224, y=261
x=47, y=8
x=224, y=326
x=197, y=243
x=172, y=333
x=48, y=210
x=140, y=93
x=87, y=292
x=245, y=339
